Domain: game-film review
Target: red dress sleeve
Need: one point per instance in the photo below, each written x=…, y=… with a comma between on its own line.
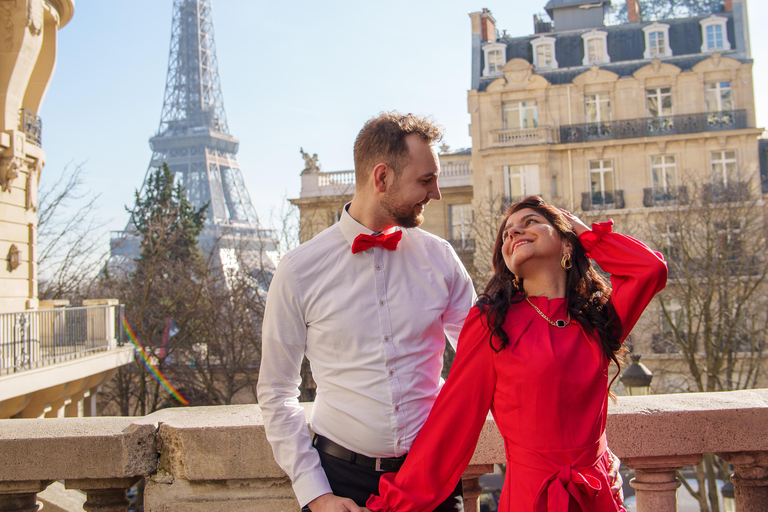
x=447, y=441
x=637, y=272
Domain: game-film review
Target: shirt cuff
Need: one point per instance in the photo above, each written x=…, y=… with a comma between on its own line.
x=310, y=486
x=589, y=239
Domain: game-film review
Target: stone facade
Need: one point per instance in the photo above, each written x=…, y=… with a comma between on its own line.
x=27, y=60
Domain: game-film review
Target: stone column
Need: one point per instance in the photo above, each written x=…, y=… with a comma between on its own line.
x=104, y=495
x=750, y=480
x=471, y=482
x=655, y=481
x=20, y=496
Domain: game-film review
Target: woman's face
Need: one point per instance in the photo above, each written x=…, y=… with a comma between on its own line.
x=529, y=239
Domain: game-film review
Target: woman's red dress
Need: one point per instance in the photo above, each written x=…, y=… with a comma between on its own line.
x=547, y=391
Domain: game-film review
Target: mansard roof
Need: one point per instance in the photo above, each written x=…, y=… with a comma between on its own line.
x=626, y=46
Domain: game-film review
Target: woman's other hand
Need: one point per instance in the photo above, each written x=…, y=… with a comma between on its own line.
x=578, y=226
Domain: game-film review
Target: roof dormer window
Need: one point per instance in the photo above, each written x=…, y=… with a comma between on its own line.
x=657, y=41
x=714, y=34
x=544, y=53
x=495, y=58
x=595, y=47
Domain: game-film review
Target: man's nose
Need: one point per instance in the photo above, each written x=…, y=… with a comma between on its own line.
x=434, y=192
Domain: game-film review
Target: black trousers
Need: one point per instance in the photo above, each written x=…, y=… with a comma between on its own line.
x=358, y=483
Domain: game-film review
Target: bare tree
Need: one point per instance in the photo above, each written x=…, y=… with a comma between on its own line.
x=70, y=237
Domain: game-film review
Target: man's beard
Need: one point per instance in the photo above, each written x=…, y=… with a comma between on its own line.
x=403, y=215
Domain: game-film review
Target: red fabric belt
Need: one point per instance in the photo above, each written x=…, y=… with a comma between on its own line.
x=572, y=473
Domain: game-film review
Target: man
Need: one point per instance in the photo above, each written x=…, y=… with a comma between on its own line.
x=369, y=301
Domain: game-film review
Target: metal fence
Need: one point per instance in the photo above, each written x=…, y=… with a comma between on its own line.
x=34, y=339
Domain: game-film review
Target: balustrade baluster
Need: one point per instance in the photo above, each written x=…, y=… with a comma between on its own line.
x=655, y=482
x=750, y=480
x=21, y=496
x=104, y=495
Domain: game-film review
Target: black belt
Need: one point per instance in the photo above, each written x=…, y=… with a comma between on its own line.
x=386, y=465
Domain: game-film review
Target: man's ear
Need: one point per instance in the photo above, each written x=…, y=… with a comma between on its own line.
x=381, y=177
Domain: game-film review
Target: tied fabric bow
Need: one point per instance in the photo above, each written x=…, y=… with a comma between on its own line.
x=556, y=492
x=364, y=242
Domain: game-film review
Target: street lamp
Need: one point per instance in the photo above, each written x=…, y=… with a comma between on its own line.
x=637, y=377
x=728, y=502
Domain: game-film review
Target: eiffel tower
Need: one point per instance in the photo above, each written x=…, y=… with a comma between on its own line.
x=194, y=139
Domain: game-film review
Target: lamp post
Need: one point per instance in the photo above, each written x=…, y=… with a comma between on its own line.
x=637, y=377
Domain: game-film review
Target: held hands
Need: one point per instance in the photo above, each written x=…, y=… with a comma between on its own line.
x=331, y=503
x=578, y=226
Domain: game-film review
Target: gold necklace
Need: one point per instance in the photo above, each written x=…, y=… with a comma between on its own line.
x=558, y=323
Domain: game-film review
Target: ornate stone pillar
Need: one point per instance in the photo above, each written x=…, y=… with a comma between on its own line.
x=20, y=496
x=104, y=495
x=750, y=480
x=655, y=482
x=471, y=482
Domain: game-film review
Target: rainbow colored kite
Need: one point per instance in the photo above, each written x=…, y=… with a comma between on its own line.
x=152, y=369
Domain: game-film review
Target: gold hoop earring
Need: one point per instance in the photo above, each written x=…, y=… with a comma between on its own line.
x=566, y=262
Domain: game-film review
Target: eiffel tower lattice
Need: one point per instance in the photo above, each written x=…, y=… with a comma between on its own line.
x=194, y=139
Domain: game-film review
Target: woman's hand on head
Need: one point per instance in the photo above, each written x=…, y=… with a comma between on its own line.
x=576, y=223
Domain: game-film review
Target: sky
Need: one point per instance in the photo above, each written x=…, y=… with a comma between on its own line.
x=295, y=74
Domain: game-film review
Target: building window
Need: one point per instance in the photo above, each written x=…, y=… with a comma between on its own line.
x=520, y=181
x=544, y=53
x=495, y=58
x=595, y=47
x=663, y=176
x=461, y=224
x=601, y=181
x=597, y=112
x=671, y=242
x=718, y=96
x=674, y=320
x=724, y=167
x=519, y=115
x=729, y=239
x=659, y=103
x=714, y=34
x=657, y=41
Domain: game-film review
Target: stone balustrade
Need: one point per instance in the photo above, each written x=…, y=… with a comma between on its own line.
x=201, y=459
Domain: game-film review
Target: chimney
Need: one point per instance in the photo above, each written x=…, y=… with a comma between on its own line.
x=633, y=10
x=728, y=6
x=488, y=26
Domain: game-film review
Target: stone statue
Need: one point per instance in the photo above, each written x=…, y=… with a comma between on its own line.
x=310, y=162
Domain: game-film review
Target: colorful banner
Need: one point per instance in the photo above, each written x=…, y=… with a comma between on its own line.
x=152, y=369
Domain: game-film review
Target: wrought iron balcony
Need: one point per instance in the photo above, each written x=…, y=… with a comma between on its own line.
x=719, y=192
x=656, y=196
x=654, y=126
x=34, y=339
x=602, y=200
x=32, y=126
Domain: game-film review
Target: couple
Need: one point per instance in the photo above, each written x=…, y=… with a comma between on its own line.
x=370, y=300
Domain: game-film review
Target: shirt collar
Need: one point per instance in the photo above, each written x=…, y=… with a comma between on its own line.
x=350, y=228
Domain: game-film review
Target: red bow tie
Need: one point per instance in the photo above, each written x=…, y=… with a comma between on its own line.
x=365, y=242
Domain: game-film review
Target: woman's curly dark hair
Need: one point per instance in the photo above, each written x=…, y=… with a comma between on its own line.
x=587, y=292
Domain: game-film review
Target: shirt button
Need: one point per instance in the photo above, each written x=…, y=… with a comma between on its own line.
x=392, y=373
x=381, y=303
x=397, y=408
x=386, y=338
x=378, y=267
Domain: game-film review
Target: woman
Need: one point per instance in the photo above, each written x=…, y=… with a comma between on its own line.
x=535, y=350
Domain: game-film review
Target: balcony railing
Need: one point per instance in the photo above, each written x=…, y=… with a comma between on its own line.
x=523, y=137
x=32, y=126
x=656, y=196
x=218, y=458
x=33, y=339
x=654, y=126
x=318, y=184
x=602, y=200
x=455, y=174
x=719, y=192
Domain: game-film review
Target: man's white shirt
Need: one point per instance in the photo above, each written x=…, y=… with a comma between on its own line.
x=372, y=325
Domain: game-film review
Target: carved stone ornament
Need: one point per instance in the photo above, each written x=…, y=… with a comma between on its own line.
x=310, y=163
x=33, y=178
x=35, y=16
x=716, y=59
x=9, y=171
x=6, y=21
x=656, y=65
